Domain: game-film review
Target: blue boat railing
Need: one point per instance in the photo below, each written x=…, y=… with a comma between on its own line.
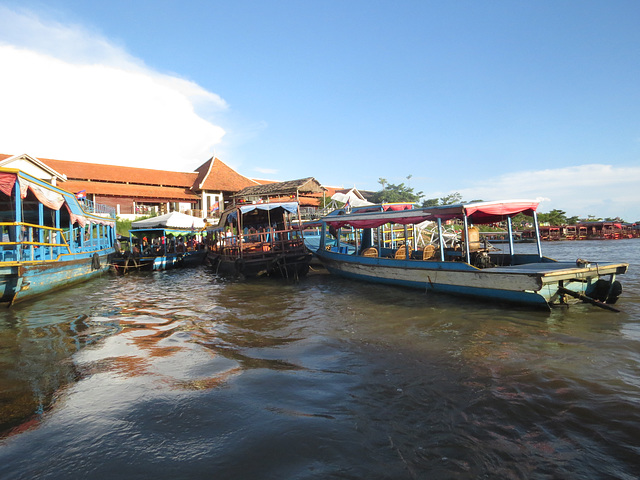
x=39, y=243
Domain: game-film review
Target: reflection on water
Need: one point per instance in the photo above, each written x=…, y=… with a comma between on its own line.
x=184, y=375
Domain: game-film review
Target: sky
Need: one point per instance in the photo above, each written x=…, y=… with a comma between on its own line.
x=494, y=100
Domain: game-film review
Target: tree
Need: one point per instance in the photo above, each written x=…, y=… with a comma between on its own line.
x=395, y=193
x=554, y=217
x=451, y=199
x=431, y=202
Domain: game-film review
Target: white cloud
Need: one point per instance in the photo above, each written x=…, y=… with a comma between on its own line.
x=69, y=94
x=595, y=189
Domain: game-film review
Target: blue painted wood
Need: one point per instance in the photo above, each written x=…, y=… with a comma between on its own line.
x=36, y=258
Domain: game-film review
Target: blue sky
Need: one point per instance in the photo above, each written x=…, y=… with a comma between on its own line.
x=492, y=99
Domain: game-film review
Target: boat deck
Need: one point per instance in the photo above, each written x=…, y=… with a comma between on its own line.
x=544, y=268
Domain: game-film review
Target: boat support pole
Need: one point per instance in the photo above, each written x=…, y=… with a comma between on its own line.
x=440, y=240
x=535, y=223
x=510, y=228
x=406, y=241
x=590, y=300
x=17, y=229
x=466, y=239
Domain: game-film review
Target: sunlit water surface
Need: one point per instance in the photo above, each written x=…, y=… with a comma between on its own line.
x=182, y=374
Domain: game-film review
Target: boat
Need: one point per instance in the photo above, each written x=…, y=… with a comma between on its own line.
x=50, y=238
x=164, y=242
x=260, y=239
x=390, y=249
x=503, y=237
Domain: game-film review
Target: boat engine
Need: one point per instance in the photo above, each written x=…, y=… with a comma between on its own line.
x=606, y=291
x=482, y=260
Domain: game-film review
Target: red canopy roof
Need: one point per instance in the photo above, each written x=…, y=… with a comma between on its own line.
x=481, y=212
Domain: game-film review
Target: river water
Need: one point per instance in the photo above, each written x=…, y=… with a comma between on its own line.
x=183, y=374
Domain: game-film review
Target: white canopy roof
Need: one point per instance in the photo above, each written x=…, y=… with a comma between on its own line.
x=351, y=197
x=170, y=220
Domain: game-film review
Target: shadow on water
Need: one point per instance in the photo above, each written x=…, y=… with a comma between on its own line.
x=184, y=374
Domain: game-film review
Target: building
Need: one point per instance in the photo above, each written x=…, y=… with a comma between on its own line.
x=140, y=191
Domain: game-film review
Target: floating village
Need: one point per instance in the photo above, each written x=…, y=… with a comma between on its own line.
x=59, y=228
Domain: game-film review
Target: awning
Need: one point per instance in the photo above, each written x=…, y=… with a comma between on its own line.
x=291, y=207
x=492, y=212
x=50, y=196
x=170, y=220
x=477, y=213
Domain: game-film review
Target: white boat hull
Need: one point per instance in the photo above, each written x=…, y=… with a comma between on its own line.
x=535, y=284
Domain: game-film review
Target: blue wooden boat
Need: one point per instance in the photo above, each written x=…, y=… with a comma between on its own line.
x=386, y=251
x=50, y=239
x=262, y=239
x=165, y=242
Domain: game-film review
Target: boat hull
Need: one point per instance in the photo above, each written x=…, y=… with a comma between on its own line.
x=289, y=265
x=129, y=263
x=21, y=281
x=535, y=285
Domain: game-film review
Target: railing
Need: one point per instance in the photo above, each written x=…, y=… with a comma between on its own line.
x=98, y=208
x=40, y=243
x=258, y=243
x=31, y=248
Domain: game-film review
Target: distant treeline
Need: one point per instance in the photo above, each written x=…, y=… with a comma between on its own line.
x=391, y=193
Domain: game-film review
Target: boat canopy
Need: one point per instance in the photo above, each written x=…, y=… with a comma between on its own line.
x=477, y=213
x=170, y=220
x=50, y=196
x=291, y=207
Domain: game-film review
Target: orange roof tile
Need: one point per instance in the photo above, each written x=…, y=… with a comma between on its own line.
x=135, y=191
x=214, y=175
x=114, y=173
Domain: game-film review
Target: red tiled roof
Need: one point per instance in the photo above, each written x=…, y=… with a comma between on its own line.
x=4, y=157
x=135, y=191
x=113, y=173
x=214, y=175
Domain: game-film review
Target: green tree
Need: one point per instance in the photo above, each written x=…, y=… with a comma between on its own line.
x=431, y=202
x=451, y=199
x=554, y=217
x=521, y=221
x=392, y=193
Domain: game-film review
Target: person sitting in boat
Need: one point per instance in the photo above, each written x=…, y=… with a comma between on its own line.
x=180, y=248
x=229, y=236
x=253, y=235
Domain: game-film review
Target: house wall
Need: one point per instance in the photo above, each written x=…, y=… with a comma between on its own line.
x=123, y=205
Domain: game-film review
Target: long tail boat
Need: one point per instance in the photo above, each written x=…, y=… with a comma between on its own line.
x=50, y=239
x=386, y=250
